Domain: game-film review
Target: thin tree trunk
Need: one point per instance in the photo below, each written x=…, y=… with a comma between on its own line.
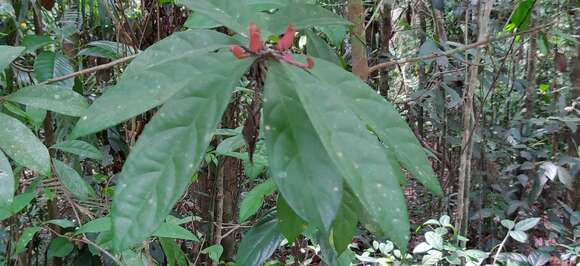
x=531, y=75
x=469, y=122
x=386, y=34
x=356, y=15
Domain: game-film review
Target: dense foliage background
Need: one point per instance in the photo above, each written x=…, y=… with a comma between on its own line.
x=289, y=132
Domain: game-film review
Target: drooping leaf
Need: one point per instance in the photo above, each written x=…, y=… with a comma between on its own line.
x=80, y=148
x=63, y=223
x=345, y=225
x=19, y=203
x=49, y=97
x=107, y=49
x=177, y=62
x=8, y=54
x=60, y=247
x=170, y=149
x=72, y=181
x=49, y=65
x=317, y=47
x=370, y=171
x=382, y=117
x=290, y=224
x=98, y=225
x=300, y=166
x=20, y=144
x=169, y=230
x=214, y=252
x=25, y=237
x=253, y=200
x=259, y=243
x=7, y=188
x=519, y=236
x=173, y=253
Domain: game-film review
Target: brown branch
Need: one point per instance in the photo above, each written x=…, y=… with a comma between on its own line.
x=91, y=69
x=474, y=45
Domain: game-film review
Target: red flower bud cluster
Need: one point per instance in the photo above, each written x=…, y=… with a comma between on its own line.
x=281, y=51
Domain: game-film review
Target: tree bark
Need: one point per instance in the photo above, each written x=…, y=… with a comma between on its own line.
x=355, y=14
x=531, y=75
x=386, y=34
x=472, y=83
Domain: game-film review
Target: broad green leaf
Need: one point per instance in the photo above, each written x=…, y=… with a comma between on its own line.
x=384, y=120
x=107, y=49
x=259, y=243
x=421, y=248
x=98, y=225
x=214, y=252
x=20, y=144
x=200, y=21
x=290, y=224
x=519, y=236
x=253, y=200
x=72, y=181
x=299, y=164
x=177, y=62
x=60, y=247
x=317, y=47
x=7, y=188
x=170, y=149
x=527, y=224
x=54, y=98
x=25, y=237
x=7, y=55
x=521, y=16
x=49, y=65
x=64, y=223
x=370, y=171
x=232, y=14
x=19, y=203
x=173, y=253
x=303, y=16
x=80, y=148
x=345, y=224
x=35, y=42
x=169, y=230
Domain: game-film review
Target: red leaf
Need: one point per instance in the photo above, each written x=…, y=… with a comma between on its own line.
x=256, y=42
x=238, y=52
x=287, y=40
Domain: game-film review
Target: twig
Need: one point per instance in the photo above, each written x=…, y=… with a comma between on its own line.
x=91, y=69
x=453, y=51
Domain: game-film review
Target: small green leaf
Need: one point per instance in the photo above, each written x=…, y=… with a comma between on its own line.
x=434, y=240
x=253, y=200
x=20, y=144
x=60, y=247
x=173, y=253
x=54, y=98
x=25, y=237
x=519, y=236
x=8, y=54
x=107, y=49
x=527, y=224
x=421, y=248
x=49, y=65
x=317, y=47
x=290, y=224
x=445, y=220
x=72, y=181
x=80, y=148
x=21, y=201
x=63, y=223
x=7, y=188
x=169, y=230
x=259, y=243
x=509, y=224
x=98, y=225
x=214, y=252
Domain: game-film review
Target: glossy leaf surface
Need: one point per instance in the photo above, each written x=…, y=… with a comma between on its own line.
x=54, y=98
x=8, y=54
x=7, y=188
x=253, y=200
x=80, y=148
x=72, y=181
x=259, y=243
